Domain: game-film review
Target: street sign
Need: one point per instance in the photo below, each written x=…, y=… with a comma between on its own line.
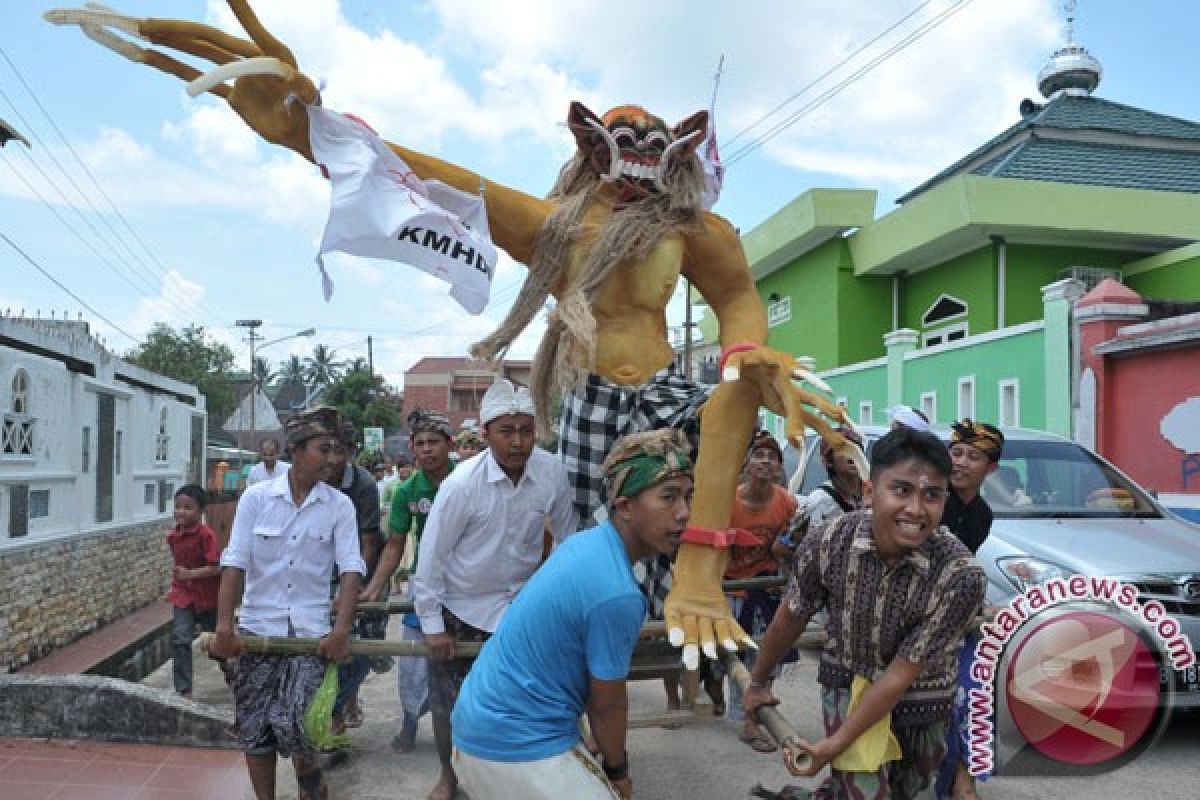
x=373, y=440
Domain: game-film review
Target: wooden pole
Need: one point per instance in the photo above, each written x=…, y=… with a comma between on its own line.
x=405, y=606
x=768, y=716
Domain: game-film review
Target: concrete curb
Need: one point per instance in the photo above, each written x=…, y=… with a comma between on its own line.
x=107, y=709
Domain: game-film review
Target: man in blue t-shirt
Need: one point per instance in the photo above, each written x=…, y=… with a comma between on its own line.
x=564, y=646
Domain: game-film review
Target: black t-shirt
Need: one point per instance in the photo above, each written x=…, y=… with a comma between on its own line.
x=971, y=522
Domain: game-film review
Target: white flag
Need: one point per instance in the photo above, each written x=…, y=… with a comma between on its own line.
x=381, y=209
x=710, y=157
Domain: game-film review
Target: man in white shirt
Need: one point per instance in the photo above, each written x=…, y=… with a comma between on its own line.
x=482, y=542
x=270, y=467
x=287, y=535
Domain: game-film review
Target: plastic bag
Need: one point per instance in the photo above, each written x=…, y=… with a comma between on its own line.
x=876, y=746
x=318, y=717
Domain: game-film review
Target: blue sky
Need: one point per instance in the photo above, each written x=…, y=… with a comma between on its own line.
x=226, y=226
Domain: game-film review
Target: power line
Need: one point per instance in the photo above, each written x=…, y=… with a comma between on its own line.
x=66, y=224
x=99, y=188
x=71, y=294
x=832, y=92
x=827, y=73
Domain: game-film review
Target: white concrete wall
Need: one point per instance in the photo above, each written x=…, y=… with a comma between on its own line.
x=63, y=402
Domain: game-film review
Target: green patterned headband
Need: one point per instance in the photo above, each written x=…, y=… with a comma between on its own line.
x=642, y=460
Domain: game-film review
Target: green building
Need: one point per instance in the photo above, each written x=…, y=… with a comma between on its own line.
x=959, y=300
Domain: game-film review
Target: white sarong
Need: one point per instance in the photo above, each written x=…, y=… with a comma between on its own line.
x=571, y=774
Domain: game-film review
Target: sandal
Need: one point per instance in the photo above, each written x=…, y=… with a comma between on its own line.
x=758, y=742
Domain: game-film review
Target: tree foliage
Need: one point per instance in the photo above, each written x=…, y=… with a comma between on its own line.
x=322, y=368
x=364, y=399
x=189, y=355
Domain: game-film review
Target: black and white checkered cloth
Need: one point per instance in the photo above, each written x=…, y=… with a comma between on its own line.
x=599, y=413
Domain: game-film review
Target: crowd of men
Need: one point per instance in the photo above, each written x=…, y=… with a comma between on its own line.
x=487, y=523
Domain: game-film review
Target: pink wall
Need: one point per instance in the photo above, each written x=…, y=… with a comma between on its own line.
x=1138, y=391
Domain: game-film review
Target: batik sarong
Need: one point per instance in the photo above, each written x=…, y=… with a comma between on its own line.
x=446, y=677
x=271, y=694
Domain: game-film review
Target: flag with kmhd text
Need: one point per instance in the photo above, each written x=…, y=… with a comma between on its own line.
x=381, y=209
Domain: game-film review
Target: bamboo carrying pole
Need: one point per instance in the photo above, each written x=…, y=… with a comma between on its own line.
x=405, y=606
x=768, y=716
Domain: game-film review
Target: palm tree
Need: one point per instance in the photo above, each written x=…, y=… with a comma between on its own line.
x=358, y=365
x=322, y=367
x=291, y=370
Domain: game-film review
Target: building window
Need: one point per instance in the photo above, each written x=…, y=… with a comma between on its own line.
x=929, y=406
x=1010, y=403
x=966, y=398
x=162, y=441
x=16, y=432
x=866, y=413
x=148, y=494
x=85, y=450
x=779, y=310
x=944, y=309
x=945, y=335
x=117, y=453
x=39, y=503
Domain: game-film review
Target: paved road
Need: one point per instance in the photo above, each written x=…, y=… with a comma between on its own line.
x=704, y=761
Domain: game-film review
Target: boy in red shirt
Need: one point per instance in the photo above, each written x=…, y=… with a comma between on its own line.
x=195, y=579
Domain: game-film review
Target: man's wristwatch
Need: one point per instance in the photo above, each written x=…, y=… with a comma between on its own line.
x=619, y=772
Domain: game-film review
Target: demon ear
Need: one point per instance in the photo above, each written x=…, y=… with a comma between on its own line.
x=689, y=133
x=583, y=124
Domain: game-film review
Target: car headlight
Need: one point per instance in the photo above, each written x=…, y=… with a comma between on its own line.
x=1026, y=572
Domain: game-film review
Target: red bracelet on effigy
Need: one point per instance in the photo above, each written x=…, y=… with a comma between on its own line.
x=720, y=539
x=741, y=347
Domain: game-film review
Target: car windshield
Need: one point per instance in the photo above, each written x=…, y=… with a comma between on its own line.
x=1060, y=479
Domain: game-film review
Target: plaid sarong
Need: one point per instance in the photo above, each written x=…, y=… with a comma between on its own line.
x=596, y=415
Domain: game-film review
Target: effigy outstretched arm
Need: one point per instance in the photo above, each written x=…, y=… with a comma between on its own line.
x=269, y=92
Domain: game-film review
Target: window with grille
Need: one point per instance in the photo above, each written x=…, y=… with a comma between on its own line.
x=39, y=503
x=162, y=441
x=17, y=425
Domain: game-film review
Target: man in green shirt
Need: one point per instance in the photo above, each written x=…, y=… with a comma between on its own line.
x=431, y=443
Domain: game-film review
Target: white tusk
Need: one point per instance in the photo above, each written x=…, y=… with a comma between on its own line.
x=800, y=373
x=675, y=145
x=614, y=163
x=259, y=65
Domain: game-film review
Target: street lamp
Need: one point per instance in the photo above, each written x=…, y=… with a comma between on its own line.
x=253, y=338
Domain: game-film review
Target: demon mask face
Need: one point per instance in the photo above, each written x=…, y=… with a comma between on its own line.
x=632, y=148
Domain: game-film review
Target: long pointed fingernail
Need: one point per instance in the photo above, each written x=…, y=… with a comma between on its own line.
x=811, y=377
x=710, y=650
x=691, y=657
x=730, y=645
x=753, y=645
x=675, y=637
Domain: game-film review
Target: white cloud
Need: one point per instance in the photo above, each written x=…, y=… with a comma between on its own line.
x=176, y=294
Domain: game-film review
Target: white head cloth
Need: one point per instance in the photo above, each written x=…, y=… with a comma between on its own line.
x=503, y=398
x=909, y=418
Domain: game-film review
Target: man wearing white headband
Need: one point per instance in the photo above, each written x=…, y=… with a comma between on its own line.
x=482, y=542
x=908, y=417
